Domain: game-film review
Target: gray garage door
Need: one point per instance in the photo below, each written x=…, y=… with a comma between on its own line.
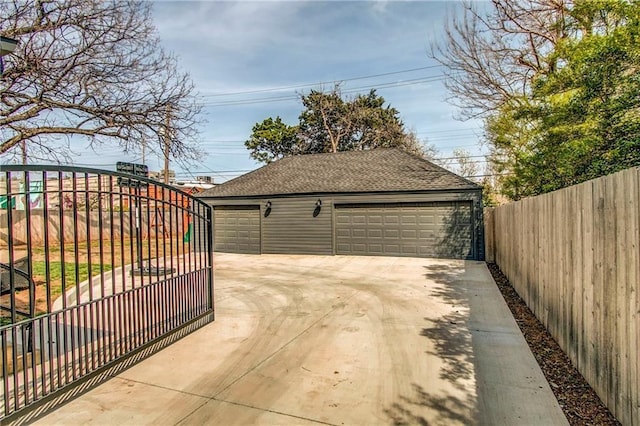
x=236, y=229
x=438, y=229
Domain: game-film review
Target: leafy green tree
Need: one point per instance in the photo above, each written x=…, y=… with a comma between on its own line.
x=511, y=138
x=588, y=111
x=576, y=112
x=327, y=123
x=272, y=139
x=331, y=123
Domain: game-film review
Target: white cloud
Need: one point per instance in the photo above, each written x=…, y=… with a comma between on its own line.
x=235, y=27
x=244, y=46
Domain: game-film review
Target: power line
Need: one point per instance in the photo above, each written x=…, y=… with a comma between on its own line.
x=388, y=85
x=490, y=175
x=454, y=133
x=465, y=129
x=301, y=86
x=461, y=156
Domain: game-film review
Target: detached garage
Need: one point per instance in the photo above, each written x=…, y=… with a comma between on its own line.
x=382, y=202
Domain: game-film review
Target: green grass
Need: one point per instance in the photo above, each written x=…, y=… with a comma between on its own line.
x=55, y=271
x=54, y=286
x=55, y=274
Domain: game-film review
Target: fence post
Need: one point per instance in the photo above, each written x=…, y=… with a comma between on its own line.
x=489, y=235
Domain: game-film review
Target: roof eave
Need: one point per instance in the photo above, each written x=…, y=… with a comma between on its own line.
x=339, y=193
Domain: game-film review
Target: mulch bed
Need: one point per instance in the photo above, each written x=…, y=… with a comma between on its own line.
x=578, y=400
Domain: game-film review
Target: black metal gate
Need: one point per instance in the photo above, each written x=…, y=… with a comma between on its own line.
x=98, y=269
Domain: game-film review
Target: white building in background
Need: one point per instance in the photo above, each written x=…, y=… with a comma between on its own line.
x=200, y=184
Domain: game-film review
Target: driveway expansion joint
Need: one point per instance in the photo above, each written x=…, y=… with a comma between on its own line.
x=266, y=410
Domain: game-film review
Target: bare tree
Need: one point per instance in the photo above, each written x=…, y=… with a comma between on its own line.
x=93, y=68
x=491, y=56
x=413, y=145
x=464, y=165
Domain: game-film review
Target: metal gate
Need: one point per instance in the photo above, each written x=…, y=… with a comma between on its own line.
x=98, y=269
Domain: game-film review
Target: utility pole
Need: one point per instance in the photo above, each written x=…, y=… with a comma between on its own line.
x=167, y=144
x=144, y=146
x=23, y=147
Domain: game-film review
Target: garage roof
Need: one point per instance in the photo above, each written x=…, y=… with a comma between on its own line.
x=377, y=170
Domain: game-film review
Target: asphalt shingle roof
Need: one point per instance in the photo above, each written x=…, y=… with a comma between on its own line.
x=377, y=170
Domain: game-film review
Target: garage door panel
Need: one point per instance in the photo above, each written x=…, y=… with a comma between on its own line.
x=409, y=234
x=463, y=219
x=409, y=249
x=343, y=247
x=343, y=220
x=374, y=233
x=376, y=248
x=408, y=220
x=375, y=219
x=358, y=220
x=426, y=219
x=391, y=219
x=359, y=248
x=392, y=248
x=425, y=234
x=391, y=233
x=434, y=229
x=358, y=233
x=343, y=233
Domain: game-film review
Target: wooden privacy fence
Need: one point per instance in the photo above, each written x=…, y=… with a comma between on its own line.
x=574, y=256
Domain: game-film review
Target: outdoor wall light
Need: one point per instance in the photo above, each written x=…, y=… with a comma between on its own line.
x=316, y=211
x=267, y=209
x=268, y=205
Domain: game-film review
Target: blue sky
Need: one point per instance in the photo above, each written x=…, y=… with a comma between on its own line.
x=257, y=47
x=234, y=47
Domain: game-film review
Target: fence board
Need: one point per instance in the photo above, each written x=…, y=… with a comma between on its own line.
x=632, y=183
x=608, y=290
x=574, y=257
x=620, y=323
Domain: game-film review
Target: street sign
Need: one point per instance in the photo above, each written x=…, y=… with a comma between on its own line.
x=132, y=169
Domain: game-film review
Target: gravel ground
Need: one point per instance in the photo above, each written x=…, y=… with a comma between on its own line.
x=579, y=402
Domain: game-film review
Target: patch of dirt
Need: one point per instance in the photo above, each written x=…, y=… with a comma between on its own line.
x=578, y=400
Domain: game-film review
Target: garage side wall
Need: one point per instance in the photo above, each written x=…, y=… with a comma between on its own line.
x=297, y=226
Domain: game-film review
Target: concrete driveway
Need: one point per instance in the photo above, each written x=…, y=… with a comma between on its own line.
x=336, y=340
